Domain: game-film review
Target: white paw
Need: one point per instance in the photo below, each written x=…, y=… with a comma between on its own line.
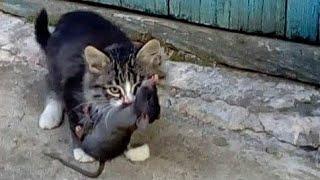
x=51, y=115
x=140, y=153
x=81, y=156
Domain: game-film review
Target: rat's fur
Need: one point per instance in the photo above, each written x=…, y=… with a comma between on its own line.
x=111, y=132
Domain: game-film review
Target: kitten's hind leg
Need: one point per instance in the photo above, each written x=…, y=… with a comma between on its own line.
x=51, y=116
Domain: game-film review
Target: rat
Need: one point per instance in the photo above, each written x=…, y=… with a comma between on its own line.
x=105, y=136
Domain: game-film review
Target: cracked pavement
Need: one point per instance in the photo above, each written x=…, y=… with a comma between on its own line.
x=217, y=122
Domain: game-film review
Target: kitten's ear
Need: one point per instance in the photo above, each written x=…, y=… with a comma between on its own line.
x=152, y=56
x=149, y=51
x=95, y=59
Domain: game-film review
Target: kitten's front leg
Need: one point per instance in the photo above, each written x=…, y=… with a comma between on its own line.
x=51, y=116
x=140, y=153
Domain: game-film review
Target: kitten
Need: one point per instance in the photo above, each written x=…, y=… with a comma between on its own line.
x=92, y=61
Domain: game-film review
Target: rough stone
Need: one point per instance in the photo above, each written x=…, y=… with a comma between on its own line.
x=238, y=101
x=199, y=45
x=220, y=141
x=18, y=42
x=218, y=112
x=300, y=131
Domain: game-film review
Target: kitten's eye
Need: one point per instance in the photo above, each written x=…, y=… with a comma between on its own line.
x=114, y=91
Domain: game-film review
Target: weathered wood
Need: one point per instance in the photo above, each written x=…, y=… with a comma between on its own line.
x=238, y=19
x=274, y=16
x=108, y=2
x=265, y=16
x=253, y=16
x=159, y=7
x=303, y=19
x=223, y=13
x=208, y=12
x=150, y=6
x=185, y=9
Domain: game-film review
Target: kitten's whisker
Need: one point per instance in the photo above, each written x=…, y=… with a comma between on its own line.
x=75, y=109
x=100, y=108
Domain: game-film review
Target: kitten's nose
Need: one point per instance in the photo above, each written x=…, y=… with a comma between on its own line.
x=127, y=100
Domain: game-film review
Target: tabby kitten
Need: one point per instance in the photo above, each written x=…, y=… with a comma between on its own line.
x=92, y=61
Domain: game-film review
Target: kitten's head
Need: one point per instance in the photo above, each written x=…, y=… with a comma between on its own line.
x=115, y=73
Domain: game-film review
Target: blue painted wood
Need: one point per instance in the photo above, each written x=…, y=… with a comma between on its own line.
x=265, y=16
x=208, y=12
x=253, y=10
x=239, y=12
x=159, y=7
x=108, y=2
x=222, y=12
x=319, y=28
x=303, y=19
x=274, y=17
x=185, y=9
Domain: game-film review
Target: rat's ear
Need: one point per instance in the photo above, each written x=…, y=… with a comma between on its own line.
x=95, y=59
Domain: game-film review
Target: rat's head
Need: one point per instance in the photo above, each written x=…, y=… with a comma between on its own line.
x=147, y=105
x=115, y=73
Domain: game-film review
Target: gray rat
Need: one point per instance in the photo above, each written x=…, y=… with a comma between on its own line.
x=108, y=134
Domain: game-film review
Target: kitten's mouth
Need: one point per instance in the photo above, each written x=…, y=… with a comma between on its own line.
x=126, y=104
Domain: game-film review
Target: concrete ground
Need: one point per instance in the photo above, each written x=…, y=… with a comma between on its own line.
x=212, y=137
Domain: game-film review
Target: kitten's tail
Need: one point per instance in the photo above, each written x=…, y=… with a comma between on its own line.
x=41, y=29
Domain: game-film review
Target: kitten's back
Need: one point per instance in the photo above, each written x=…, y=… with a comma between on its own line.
x=89, y=27
x=79, y=29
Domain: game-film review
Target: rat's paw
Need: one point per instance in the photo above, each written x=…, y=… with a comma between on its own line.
x=81, y=156
x=140, y=153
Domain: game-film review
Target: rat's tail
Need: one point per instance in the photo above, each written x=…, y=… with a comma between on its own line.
x=76, y=168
